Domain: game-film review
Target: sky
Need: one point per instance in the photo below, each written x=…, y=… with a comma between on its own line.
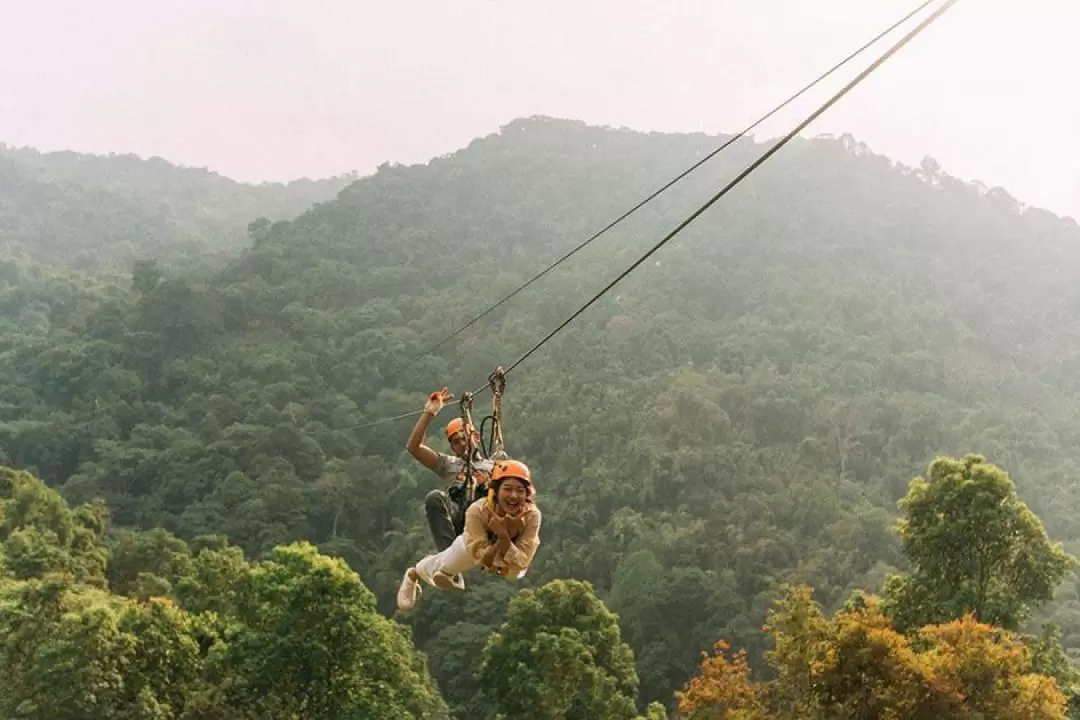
x=279, y=89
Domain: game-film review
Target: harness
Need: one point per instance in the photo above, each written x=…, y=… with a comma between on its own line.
x=470, y=449
x=497, y=383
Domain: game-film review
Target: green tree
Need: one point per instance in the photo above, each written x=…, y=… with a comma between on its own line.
x=41, y=534
x=742, y=412
x=973, y=546
x=208, y=636
x=165, y=673
x=138, y=559
x=654, y=711
x=559, y=655
x=801, y=637
x=65, y=654
x=1048, y=658
x=311, y=645
x=219, y=575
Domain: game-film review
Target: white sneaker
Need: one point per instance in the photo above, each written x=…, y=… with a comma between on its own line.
x=407, y=593
x=444, y=581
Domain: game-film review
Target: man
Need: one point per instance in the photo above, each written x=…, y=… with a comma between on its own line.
x=445, y=509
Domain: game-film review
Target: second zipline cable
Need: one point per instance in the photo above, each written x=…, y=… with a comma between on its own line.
x=727, y=188
x=741, y=176
x=681, y=175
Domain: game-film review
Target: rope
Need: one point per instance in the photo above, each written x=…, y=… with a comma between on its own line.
x=683, y=174
x=757, y=163
x=727, y=188
x=386, y=420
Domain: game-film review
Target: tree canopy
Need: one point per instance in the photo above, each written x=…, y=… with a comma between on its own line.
x=740, y=415
x=294, y=636
x=99, y=214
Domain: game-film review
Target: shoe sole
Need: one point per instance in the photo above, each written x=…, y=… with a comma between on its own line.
x=446, y=583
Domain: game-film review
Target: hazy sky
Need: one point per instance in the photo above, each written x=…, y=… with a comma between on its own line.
x=279, y=89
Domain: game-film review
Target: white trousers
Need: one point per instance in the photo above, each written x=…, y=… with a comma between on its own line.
x=453, y=560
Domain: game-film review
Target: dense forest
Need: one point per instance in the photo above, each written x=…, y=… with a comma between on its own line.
x=723, y=446
x=98, y=214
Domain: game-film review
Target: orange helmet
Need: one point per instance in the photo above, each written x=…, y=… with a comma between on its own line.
x=511, y=469
x=454, y=427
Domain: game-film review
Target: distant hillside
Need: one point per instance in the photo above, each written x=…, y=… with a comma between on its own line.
x=743, y=411
x=99, y=213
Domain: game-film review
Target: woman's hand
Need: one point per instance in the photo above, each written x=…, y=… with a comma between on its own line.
x=498, y=525
x=515, y=525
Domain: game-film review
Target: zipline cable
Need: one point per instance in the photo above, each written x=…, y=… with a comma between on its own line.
x=386, y=420
x=683, y=174
x=727, y=188
x=756, y=164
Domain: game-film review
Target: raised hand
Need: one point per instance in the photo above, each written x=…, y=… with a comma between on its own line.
x=437, y=400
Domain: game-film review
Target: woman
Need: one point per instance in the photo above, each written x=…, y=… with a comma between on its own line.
x=502, y=534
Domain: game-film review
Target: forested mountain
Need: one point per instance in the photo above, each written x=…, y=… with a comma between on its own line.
x=743, y=412
x=100, y=213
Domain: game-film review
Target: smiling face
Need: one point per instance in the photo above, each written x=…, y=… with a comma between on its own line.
x=512, y=496
x=459, y=444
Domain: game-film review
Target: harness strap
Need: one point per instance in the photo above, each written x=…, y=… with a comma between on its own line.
x=497, y=381
x=466, y=417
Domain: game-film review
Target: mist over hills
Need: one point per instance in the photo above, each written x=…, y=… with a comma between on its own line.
x=743, y=411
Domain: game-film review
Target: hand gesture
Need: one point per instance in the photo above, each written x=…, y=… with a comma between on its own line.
x=436, y=400
x=514, y=526
x=498, y=525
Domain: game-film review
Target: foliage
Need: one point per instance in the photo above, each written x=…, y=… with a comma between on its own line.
x=559, y=655
x=42, y=536
x=99, y=214
x=973, y=547
x=926, y=651
x=858, y=666
x=723, y=688
x=296, y=636
x=1048, y=658
x=743, y=411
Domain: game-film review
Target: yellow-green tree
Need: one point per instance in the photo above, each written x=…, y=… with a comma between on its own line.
x=856, y=666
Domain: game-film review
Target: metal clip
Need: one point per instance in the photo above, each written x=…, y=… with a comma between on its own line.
x=497, y=382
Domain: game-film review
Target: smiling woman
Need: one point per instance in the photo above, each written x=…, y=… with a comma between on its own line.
x=502, y=535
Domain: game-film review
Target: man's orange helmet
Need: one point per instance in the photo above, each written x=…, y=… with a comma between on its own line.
x=454, y=427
